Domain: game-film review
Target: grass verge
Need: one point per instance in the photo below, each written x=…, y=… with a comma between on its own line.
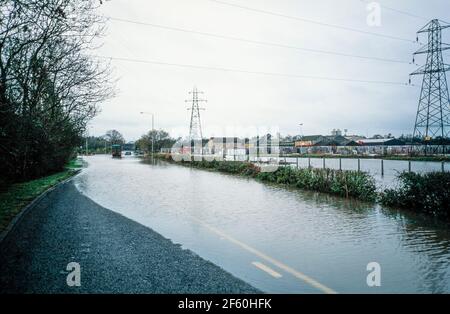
x=19, y=195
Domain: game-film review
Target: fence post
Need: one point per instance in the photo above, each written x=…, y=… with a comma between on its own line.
x=340, y=163
x=359, y=165
x=409, y=165
x=443, y=166
x=257, y=147
x=234, y=148
x=309, y=162
x=382, y=167
x=247, y=149
x=323, y=162
x=297, y=162
x=224, y=148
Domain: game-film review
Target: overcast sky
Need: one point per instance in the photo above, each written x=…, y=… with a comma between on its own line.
x=246, y=100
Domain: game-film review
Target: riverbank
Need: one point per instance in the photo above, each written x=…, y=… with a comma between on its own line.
x=115, y=254
x=18, y=195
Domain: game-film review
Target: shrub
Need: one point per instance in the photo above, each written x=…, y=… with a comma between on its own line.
x=428, y=193
x=343, y=183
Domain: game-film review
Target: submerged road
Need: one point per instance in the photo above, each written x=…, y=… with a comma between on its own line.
x=116, y=254
x=275, y=239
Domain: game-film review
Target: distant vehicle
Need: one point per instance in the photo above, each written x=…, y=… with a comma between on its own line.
x=116, y=151
x=127, y=153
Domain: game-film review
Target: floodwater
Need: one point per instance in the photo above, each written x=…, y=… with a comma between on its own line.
x=384, y=172
x=307, y=242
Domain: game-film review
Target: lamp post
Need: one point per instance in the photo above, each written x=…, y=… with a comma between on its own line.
x=153, y=128
x=87, y=137
x=301, y=136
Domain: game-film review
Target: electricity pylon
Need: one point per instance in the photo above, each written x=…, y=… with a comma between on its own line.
x=433, y=111
x=195, y=127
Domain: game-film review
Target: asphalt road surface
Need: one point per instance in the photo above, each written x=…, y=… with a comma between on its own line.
x=115, y=254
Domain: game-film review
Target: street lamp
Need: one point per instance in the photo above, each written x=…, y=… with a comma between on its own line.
x=301, y=136
x=87, y=136
x=153, y=128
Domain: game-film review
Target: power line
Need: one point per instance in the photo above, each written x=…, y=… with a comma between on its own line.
x=346, y=28
x=300, y=76
x=178, y=29
x=400, y=11
x=413, y=15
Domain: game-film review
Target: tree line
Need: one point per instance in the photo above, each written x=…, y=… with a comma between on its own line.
x=50, y=86
x=102, y=144
x=159, y=138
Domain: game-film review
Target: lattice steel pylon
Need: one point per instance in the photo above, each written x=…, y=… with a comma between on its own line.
x=195, y=127
x=433, y=111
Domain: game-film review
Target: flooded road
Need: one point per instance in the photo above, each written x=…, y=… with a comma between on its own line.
x=278, y=240
x=384, y=172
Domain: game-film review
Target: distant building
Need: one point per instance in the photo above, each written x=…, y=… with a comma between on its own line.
x=354, y=137
x=337, y=140
x=227, y=146
x=308, y=140
x=336, y=132
x=325, y=140
x=380, y=142
x=287, y=147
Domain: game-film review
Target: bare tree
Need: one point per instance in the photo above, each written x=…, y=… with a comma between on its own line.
x=49, y=85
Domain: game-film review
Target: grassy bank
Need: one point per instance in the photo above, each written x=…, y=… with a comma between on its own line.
x=347, y=184
x=18, y=195
x=428, y=193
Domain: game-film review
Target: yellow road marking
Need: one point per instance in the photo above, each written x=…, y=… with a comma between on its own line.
x=312, y=282
x=267, y=269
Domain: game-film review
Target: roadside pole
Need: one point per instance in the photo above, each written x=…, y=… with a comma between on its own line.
x=153, y=133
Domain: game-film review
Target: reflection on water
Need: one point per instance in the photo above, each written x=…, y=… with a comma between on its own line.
x=328, y=238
